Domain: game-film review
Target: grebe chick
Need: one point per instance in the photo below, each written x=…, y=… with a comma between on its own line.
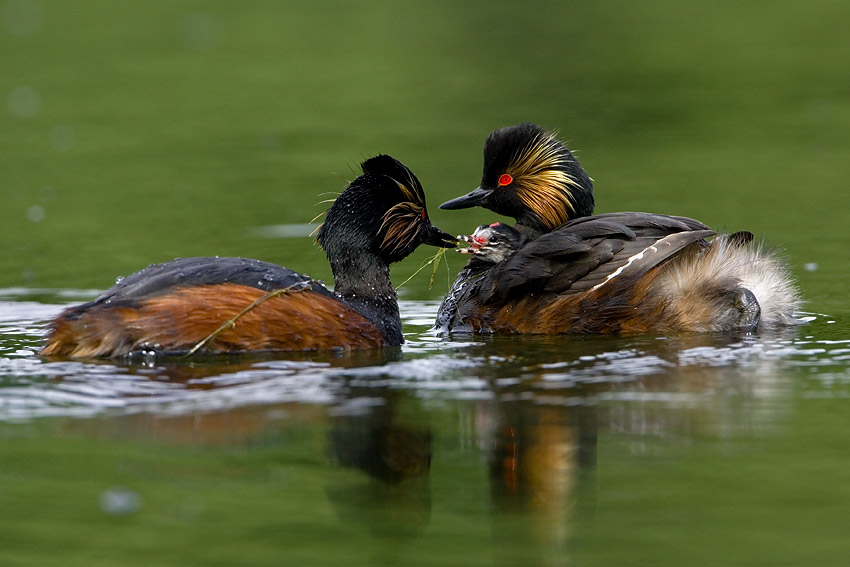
x=489, y=245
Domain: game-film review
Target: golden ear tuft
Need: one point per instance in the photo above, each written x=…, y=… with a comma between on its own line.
x=400, y=226
x=541, y=182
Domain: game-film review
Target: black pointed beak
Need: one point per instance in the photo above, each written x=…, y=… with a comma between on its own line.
x=476, y=198
x=436, y=237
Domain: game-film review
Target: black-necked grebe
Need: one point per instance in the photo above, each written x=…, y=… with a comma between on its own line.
x=609, y=273
x=239, y=305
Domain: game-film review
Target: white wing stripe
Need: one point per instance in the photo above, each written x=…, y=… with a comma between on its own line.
x=651, y=249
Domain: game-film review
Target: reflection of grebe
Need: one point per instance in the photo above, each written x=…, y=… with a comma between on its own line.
x=393, y=499
x=536, y=455
x=538, y=450
x=384, y=450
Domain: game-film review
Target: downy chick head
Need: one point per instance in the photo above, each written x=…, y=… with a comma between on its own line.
x=492, y=243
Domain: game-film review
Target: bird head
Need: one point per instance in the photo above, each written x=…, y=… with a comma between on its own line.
x=492, y=243
x=382, y=211
x=531, y=176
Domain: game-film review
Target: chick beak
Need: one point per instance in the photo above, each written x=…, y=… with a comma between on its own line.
x=476, y=243
x=477, y=198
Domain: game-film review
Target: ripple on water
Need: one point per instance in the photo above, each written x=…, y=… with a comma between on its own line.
x=549, y=370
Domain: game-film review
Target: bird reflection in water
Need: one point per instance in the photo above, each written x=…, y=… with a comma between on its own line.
x=537, y=454
x=381, y=447
x=393, y=499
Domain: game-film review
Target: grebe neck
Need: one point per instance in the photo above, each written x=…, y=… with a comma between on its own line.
x=362, y=280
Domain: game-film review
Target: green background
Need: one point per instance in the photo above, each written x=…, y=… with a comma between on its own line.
x=170, y=129
x=135, y=132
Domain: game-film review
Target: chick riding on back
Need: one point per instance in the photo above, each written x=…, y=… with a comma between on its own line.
x=489, y=245
x=608, y=273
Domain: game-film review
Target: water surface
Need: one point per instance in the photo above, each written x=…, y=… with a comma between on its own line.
x=539, y=450
x=132, y=134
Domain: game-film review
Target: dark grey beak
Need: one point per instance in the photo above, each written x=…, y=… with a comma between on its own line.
x=476, y=198
x=436, y=237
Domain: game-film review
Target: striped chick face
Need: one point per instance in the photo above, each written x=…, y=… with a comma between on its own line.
x=492, y=243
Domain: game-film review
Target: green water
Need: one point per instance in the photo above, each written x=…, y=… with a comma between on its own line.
x=133, y=133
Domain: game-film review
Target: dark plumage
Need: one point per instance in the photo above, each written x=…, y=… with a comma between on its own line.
x=489, y=245
x=379, y=219
x=531, y=176
x=618, y=272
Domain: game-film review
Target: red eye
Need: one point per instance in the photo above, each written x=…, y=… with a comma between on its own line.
x=505, y=179
x=423, y=214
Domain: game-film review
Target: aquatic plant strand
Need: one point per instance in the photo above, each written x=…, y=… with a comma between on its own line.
x=435, y=259
x=232, y=321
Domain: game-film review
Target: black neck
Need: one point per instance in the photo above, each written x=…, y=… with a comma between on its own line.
x=362, y=280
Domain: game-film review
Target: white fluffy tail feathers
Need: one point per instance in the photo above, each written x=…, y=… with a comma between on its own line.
x=736, y=261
